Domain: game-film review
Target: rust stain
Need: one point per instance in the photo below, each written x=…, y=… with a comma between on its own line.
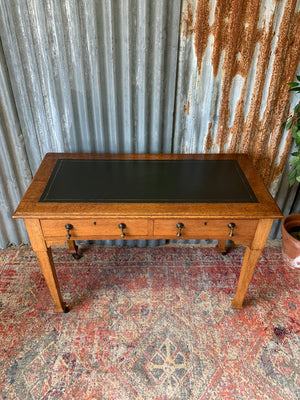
x=285, y=63
x=236, y=131
x=209, y=141
x=220, y=31
x=186, y=108
x=251, y=142
x=187, y=21
x=277, y=169
x=236, y=37
x=201, y=30
x=288, y=49
x=235, y=24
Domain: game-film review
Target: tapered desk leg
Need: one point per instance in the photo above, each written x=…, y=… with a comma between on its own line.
x=44, y=256
x=48, y=270
x=251, y=257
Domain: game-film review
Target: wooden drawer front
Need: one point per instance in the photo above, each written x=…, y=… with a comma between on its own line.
x=205, y=229
x=89, y=228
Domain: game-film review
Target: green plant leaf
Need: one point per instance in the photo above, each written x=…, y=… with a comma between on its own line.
x=295, y=89
x=294, y=122
x=292, y=181
x=296, y=160
x=289, y=124
x=283, y=126
x=294, y=134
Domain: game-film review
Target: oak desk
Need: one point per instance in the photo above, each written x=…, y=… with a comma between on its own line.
x=105, y=196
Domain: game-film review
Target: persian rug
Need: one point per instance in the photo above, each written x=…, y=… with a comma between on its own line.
x=149, y=323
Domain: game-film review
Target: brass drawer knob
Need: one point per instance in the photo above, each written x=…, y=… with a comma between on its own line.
x=231, y=226
x=122, y=226
x=179, y=226
x=68, y=228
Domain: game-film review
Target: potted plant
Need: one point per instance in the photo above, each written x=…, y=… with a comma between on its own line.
x=290, y=228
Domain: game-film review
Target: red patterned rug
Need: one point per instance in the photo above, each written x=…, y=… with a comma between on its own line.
x=149, y=323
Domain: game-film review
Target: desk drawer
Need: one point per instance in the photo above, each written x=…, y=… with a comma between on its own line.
x=205, y=229
x=95, y=228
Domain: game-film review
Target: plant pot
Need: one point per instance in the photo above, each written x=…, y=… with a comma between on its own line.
x=291, y=245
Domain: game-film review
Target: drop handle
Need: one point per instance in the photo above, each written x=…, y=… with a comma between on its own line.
x=68, y=228
x=122, y=226
x=179, y=226
x=231, y=226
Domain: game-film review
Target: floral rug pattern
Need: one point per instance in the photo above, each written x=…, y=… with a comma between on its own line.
x=149, y=323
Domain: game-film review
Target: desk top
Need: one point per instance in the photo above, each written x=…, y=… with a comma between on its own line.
x=76, y=185
x=147, y=181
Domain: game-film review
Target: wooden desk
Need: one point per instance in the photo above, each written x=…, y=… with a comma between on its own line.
x=105, y=196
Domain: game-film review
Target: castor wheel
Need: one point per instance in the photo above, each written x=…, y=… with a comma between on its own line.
x=76, y=256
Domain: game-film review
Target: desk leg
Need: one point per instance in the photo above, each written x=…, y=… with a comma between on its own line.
x=73, y=249
x=48, y=270
x=221, y=246
x=251, y=258
x=44, y=256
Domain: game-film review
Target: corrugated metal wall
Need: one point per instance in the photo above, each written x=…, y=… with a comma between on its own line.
x=15, y=174
x=235, y=59
x=92, y=76
x=142, y=76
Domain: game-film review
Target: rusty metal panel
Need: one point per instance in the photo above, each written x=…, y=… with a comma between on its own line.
x=235, y=59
